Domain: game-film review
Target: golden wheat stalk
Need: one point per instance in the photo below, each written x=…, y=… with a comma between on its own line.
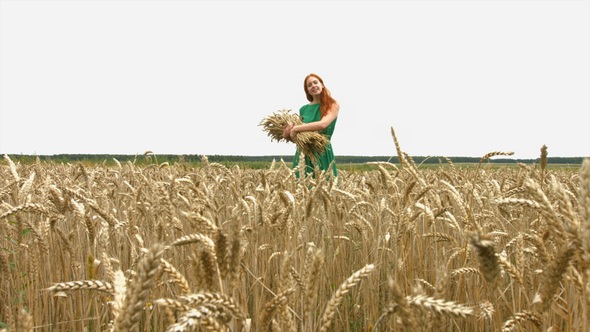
x=400, y=305
x=510, y=269
x=24, y=322
x=271, y=307
x=518, y=202
x=137, y=293
x=584, y=208
x=440, y=237
x=109, y=218
x=191, y=319
x=4, y=264
x=173, y=304
x=196, y=238
x=41, y=240
x=486, y=256
x=440, y=306
x=120, y=289
x=210, y=279
x=26, y=207
x=546, y=208
x=553, y=275
x=12, y=166
x=493, y=154
x=541, y=250
x=485, y=310
x=465, y=270
x=400, y=156
x=520, y=318
x=286, y=282
x=221, y=252
x=228, y=304
x=96, y=285
x=236, y=252
x=24, y=193
x=543, y=162
x=176, y=276
x=563, y=199
x=315, y=258
x=337, y=297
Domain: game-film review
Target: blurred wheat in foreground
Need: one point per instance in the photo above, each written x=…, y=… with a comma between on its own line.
x=181, y=248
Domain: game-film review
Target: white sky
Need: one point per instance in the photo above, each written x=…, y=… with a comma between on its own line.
x=453, y=78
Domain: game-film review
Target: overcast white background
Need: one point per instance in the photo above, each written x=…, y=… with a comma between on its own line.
x=453, y=78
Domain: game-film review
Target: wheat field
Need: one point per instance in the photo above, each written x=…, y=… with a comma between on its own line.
x=216, y=248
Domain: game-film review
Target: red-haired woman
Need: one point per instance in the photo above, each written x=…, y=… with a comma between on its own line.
x=319, y=115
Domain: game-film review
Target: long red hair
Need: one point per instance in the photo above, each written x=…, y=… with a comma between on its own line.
x=326, y=100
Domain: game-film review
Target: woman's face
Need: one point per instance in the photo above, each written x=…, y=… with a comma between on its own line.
x=314, y=86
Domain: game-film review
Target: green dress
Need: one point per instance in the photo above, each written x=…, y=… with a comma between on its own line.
x=311, y=113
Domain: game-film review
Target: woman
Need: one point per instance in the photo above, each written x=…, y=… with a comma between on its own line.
x=319, y=115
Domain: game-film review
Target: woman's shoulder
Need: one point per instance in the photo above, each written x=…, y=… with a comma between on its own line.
x=336, y=105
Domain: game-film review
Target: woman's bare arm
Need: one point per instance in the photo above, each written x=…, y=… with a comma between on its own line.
x=322, y=124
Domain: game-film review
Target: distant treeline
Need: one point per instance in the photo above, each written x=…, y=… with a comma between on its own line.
x=196, y=158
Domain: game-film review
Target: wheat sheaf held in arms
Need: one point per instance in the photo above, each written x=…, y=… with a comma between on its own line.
x=310, y=143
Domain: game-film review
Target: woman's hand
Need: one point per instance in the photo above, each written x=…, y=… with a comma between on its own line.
x=287, y=131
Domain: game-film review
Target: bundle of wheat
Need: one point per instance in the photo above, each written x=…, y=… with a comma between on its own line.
x=310, y=143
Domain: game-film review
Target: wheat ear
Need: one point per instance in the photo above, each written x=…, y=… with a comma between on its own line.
x=285, y=283
x=546, y=209
x=208, y=269
x=236, y=252
x=196, y=238
x=312, y=279
x=553, y=275
x=337, y=297
x=584, y=208
x=119, y=289
x=493, y=154
x=201, y=316
x=218, y=299
x=401, y=306
x=543, y=163
x=519, y=318
x=83, y=284
x=486, y=256
x=221, y=252
x=271, y=306
x=174, y=304
x=12, y=168
x=400, y=156
x=465, y=270
x=25, y=321
x=33, y=207
x=176, y=276
x=510, y=269
x=439, y=306
x=138, y=292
